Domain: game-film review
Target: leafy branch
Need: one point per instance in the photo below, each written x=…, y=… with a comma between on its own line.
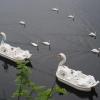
x=25, y=87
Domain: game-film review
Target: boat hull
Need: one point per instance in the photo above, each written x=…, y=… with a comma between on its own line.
x=14, y=54
x=74, y=86
x=14, y=61
x=10, y=59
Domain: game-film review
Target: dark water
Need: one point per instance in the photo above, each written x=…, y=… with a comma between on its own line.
x=66, y=36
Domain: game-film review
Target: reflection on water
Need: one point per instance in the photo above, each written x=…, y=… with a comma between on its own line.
x=43, y=24
x=5, y=66
x=3, y=95
x=80, y=94
x=7, y=62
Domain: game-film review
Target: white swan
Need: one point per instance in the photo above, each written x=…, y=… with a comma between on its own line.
x=96, y=51
x=3, y=37
x=47, y=44
x=22, y=23
x=73, y=78
x=55, y=9
x=72, y=17
x=93, y=34
x=35, y=44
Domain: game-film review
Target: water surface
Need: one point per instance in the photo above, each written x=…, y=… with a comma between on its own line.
x=66, y=36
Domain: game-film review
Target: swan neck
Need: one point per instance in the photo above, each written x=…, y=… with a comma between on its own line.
x=63, y=61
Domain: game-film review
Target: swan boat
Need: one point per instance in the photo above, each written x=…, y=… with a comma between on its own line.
x=73, y=78
x=13, y=53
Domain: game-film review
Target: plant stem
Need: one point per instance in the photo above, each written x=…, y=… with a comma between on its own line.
x=51, y=90
x=20, y=89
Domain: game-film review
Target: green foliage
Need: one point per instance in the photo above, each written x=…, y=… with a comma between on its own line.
x=25, y=87
x=22, y=81
x=21, y=93
x=47, y=94
x=36, y=88
x=60, y=90
x=44, y=95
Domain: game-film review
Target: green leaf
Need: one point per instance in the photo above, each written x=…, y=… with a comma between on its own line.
x=44, y=95
x=60, y=90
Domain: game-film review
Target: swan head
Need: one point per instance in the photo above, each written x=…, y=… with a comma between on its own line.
x=2, y=33
x=62, y=56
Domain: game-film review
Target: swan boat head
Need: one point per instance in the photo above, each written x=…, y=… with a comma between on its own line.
x=3, y=37
x=62, y=56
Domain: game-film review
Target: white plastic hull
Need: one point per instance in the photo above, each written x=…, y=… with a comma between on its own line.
x=72, y=85
x=9, y=58
x=74, y=78
x=13, y=53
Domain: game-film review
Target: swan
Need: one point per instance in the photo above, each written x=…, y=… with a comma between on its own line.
x=99, y=52
x=71, y=16
x=73, y=78
x=3, y=37
x=35, y=44
x=47, y=44
x=93, y=35
x=96, y=51
x=22, y=23
x=55, y=9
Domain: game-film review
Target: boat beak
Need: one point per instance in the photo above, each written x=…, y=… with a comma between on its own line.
x=59, y=57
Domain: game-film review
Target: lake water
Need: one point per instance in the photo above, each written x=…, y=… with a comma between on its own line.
x=66, y=36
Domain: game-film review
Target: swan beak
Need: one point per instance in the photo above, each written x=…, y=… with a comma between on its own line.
x=59, y=57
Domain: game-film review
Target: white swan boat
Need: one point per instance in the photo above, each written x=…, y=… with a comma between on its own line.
x=73, y=78
x=13, y=53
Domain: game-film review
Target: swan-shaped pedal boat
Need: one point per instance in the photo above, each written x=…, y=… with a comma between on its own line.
x=73, y=78
x=12, y=53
